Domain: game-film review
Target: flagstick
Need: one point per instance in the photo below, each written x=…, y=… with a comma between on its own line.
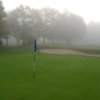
x=34, y=67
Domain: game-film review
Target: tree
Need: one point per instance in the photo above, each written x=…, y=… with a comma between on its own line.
x=76, y=27
x=3, y=31
x=62, y=26
x=20, y=23
x=49, y=23
x=70, y=28
x=49, y=17
x=93, y=34
x=23, y=22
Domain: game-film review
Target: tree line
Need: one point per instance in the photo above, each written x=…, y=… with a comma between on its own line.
x=50, y=25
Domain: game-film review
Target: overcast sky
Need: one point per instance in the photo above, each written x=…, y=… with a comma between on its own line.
x=88, y=9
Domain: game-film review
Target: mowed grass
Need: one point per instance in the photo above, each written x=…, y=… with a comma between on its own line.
x=58, y=77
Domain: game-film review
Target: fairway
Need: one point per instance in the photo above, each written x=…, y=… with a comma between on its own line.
x=58, y=77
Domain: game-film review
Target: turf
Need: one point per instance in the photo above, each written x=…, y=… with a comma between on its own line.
x=58, y=77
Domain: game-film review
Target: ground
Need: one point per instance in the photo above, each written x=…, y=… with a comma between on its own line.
x=58, y=77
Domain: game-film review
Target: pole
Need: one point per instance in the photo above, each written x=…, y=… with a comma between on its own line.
x=34, y=66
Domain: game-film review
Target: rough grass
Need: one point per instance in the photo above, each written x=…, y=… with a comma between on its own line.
x=58, y=77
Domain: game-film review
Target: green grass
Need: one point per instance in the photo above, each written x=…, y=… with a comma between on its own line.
x=58, y=77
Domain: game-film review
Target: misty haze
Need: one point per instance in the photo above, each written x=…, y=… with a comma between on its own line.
x=49, y=50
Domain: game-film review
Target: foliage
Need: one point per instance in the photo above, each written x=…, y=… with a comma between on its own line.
x=48, y=22
x=3, y=31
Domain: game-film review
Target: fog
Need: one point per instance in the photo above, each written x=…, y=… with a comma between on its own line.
x=52, y=26
x=92, y=36
x=49, y=50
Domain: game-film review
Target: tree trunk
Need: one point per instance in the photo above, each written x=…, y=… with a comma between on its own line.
x=1, y=44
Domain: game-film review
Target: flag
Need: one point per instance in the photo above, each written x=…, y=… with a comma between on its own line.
x=35, y=45
x=35, y=49
x=35, y=42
